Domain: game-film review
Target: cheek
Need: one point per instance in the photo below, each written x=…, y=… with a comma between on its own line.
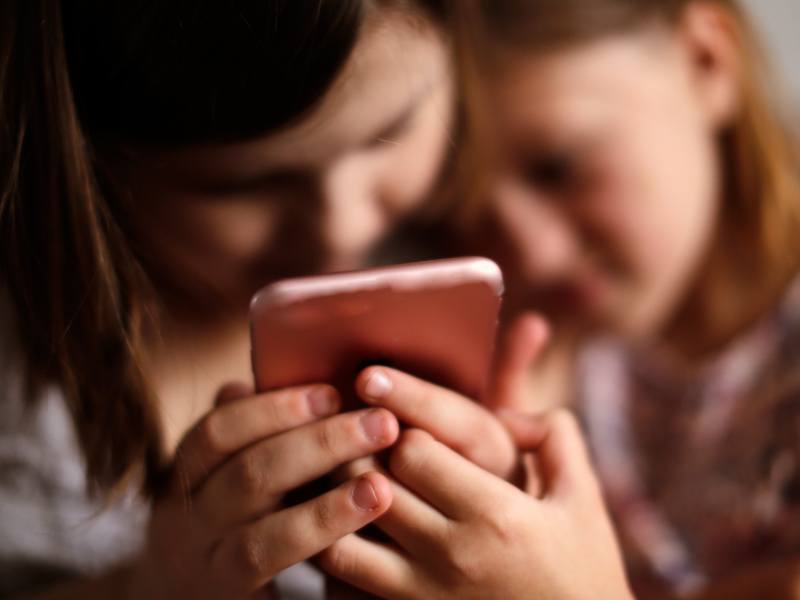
x=237, y=232
x=411, y=169
x=210, y=244
x=657, y=211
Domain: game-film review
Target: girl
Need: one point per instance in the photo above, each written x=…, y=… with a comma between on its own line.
x=160, y=162
x=646, y=198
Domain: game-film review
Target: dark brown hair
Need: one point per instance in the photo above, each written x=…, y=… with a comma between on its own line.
x=79, y=76
x=756, y=251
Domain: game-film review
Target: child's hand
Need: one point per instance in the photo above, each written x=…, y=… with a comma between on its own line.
x=221, y=530
x=458, y=422
x=464, y=533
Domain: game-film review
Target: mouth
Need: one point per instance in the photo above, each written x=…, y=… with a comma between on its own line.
x=585, y=298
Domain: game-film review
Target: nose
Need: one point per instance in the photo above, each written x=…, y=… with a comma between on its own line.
x=352, y=218
x=539, y=235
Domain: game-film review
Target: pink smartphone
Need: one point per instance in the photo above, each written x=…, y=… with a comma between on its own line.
x=436, y=320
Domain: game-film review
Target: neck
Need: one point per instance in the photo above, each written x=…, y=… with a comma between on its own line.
x=188, y=361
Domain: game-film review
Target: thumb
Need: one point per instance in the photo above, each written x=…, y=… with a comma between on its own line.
x=518, y=350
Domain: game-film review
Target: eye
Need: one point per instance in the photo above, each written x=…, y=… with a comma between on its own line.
x=555, y=171
x=393, y=134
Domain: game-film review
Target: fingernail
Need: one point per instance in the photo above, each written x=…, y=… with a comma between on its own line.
x=375, y=426
x=378, y=384
x=364, y=495
x=321, y=401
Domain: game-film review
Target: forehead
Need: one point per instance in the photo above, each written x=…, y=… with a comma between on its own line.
x=396, y=61
x=606, y=79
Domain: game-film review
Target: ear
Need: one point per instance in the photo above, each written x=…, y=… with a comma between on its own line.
x=711, y=38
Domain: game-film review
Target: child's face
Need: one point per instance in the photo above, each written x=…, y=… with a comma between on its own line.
x=226, y=219
x=607, y=194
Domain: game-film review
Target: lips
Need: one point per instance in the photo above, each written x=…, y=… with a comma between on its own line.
x=584, y=298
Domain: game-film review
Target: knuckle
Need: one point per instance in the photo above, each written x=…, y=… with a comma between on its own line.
x=271, y=412
x=211, y=433
x=297, y=536
x=469, y=565
x=504, y=525
x=250, y=556
x=250, y=476
x=325, y=439
x=334, y=559
x=496, y=452
x=409, y=453
x=323, y=515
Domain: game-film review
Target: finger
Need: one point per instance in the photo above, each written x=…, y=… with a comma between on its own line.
x=369, y=566
x=463, y=425
x=232, y=392
x=236, y=425
x=411, y=522
x=255, y=481
x=518, y=350
x=455, y=486
x=355, y=468
x=562, y=456
x=531, y=479
x=527, y=430
x=248, y=559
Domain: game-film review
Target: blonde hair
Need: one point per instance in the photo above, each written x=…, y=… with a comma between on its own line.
x=756, y=251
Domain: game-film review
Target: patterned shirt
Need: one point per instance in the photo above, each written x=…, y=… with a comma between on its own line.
x=701, y=470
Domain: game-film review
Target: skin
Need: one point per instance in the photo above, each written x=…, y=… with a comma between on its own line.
x=224, y=220
x=232, y=471
x=612, y=246
x=608, y=190
x=608, y=184
x=502, y=543
x=219, y=221
x=445, y=491
x=458, y=527
x=316, y=197
x=227, y=219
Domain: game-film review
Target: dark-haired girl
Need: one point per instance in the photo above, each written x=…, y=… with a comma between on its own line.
x=158, y=163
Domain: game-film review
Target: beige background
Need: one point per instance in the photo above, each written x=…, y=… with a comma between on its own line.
x=779, y=21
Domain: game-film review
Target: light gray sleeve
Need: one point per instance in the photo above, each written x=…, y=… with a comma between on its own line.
x=50, y=530
x=49, y=527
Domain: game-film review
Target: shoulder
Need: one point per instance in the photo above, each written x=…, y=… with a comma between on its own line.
x=38, y=434
x=49, y=526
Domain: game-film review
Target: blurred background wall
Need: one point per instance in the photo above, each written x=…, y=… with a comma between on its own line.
x=779, y=21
